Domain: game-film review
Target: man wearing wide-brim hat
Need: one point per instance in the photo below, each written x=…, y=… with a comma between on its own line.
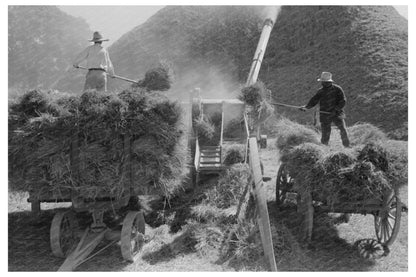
x=331, y=100
x=98, y=64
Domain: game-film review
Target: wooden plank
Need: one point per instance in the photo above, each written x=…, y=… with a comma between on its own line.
x=263, y=219
x=75, y=165
x=247, y=136
x=197, y=154
x=222, y=129
x=306, y=208
x=127, y=165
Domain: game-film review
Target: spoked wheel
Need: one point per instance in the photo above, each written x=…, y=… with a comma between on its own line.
x=387, y=221
x=283, y=184
x=132, y=235
x=63, y=233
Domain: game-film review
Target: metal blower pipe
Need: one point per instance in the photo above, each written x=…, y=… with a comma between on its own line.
x=260, y=50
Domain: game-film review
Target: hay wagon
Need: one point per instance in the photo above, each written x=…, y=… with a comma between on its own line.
x=68, y=241
x=386, y=212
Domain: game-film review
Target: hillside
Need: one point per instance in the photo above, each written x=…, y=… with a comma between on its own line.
x=181, y=35
x=211, y=47
x=43, y=40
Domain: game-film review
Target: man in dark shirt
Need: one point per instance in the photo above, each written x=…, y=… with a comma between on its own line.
x=331, y=99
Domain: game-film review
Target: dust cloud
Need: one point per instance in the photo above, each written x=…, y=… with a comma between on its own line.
x=215, y=81
x=270, y=12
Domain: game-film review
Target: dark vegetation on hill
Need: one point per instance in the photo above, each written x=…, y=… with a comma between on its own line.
x=43, y=41
x=211, y=47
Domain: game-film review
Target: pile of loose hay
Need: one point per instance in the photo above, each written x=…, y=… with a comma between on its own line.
x=233, y=154
x=290, y=134
x=157, y=79
x=205, y=131
x=208, y=129
x=362, y=133
x=41, y=137
x=255, y=96
x=230, y=187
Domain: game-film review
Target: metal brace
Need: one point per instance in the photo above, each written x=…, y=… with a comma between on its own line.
x=98, y=220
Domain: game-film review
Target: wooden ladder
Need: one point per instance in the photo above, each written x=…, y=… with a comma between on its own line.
x=210, y=159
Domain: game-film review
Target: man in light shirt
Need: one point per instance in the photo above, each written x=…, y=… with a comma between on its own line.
x=98, y=64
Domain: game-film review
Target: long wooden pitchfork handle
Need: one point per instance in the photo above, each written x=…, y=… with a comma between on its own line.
x=115, y=76
x=294, y=107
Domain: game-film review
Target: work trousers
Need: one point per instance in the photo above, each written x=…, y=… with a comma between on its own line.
x=339, y=121
x=96, y=79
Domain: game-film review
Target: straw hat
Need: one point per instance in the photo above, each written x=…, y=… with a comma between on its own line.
x=325, y=77
x=97, y=37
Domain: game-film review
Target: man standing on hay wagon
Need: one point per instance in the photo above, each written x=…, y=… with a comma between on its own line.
x=98, y=64
x=331, y=99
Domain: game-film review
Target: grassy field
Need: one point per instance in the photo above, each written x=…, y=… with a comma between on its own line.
x=167, y=247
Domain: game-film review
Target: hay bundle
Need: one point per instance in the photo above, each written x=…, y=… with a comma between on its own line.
x=338, y=159
x=253, y=95
x=326, y=184
x=205, y=130
x=300, y=161
x=363, y=133
x=36, y=102
x=234, y=154
x=157, y=79
x=291, y=134
x=39, y=149
x=398, y=162
x=208, y=129
x=363, y=183
x=375, y=154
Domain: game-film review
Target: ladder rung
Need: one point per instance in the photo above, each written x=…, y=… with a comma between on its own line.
x=210, y=160
x=216, y=154
x=212, y=169
x=215, y=165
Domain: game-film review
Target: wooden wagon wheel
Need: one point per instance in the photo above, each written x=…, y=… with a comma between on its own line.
x=63, y=233
x=283, y=184
x=132, y=235
x=387, y=220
